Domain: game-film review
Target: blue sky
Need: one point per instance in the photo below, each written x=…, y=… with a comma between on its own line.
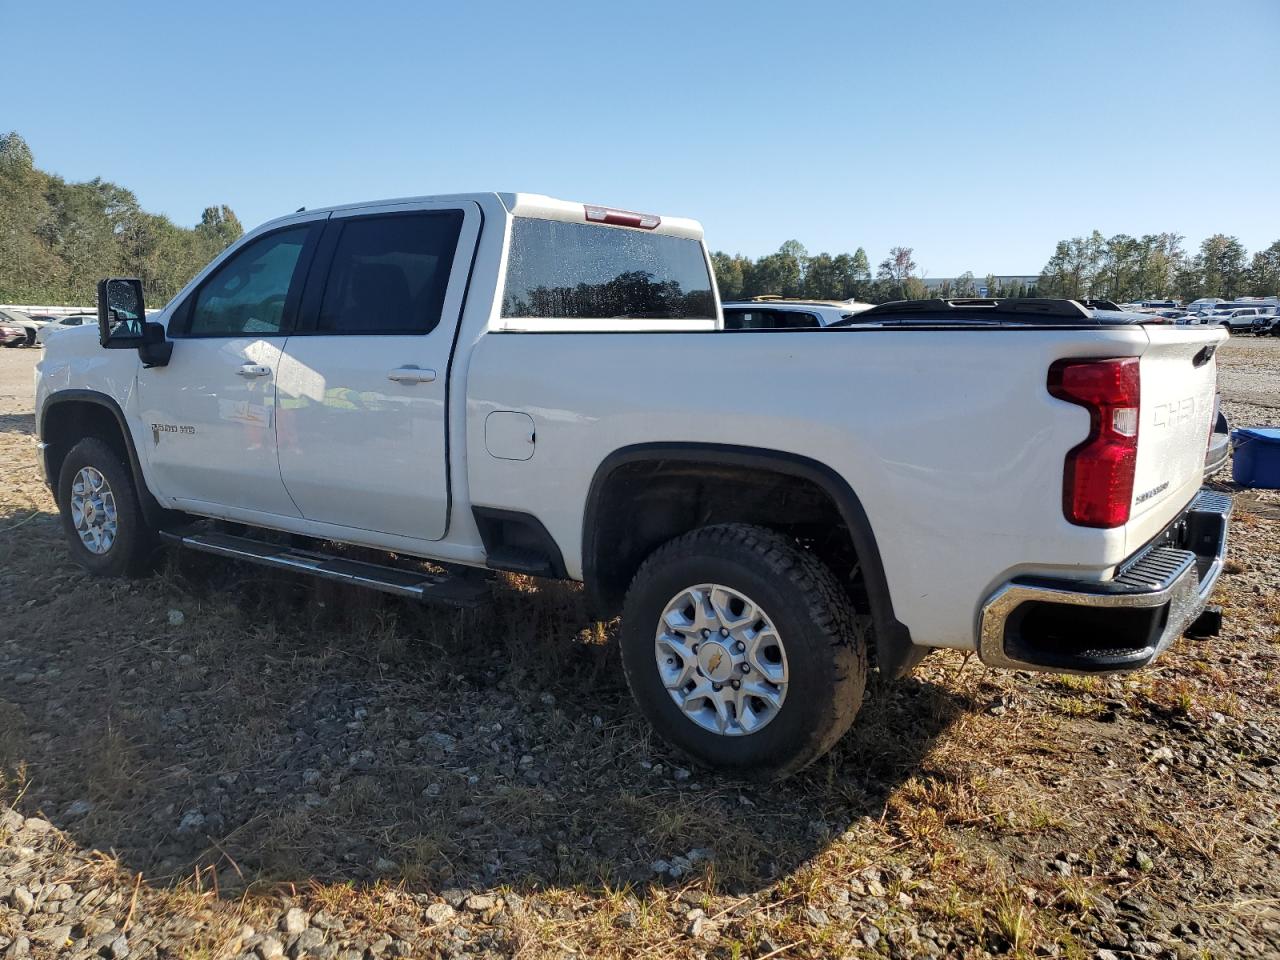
x=977, y=133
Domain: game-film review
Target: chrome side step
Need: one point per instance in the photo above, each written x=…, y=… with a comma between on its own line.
x=417, y=584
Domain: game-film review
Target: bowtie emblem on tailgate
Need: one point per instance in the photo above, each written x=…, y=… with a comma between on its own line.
x=1174, y=412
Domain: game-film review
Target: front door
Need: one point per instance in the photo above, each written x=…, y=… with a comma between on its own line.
x=208, y=418
x=362, y=384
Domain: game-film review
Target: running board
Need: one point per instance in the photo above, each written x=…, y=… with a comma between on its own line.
x=417, y=584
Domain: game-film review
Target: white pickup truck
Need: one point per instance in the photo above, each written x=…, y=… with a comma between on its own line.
x=526, y=384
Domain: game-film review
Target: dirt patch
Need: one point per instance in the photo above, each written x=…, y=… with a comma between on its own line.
x=218, y=762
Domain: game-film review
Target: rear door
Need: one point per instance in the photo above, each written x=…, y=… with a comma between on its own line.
x=362, y=387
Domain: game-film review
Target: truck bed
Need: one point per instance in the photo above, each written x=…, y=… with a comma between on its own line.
x=949, y=438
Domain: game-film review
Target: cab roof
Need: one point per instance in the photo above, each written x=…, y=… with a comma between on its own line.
x=537, y=206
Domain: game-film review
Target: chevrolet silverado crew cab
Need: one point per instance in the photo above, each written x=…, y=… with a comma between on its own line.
x=512, y=382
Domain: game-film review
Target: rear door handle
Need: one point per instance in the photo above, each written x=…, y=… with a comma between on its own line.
x=411, y=375
x=251, y=370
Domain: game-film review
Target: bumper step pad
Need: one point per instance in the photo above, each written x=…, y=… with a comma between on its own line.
x=1080, y=626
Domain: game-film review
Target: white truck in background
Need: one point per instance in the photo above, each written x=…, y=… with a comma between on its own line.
x=512, y=382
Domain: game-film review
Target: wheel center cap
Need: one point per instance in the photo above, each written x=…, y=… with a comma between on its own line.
x=715, y=660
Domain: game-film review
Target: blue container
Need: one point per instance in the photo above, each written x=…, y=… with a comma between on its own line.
x=1256, y=462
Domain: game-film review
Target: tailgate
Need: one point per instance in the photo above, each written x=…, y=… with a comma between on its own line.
x=1179, y=388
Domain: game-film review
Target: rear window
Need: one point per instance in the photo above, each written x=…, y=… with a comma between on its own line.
x=590, y=271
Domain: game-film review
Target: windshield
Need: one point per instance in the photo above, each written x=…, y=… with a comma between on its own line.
x=590, y=271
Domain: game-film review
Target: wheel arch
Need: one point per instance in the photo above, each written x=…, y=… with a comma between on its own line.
x=72, y=414
x=609, y=562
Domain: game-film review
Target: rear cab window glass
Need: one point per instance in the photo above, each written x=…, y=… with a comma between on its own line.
x=389, y=274
x=581, y=271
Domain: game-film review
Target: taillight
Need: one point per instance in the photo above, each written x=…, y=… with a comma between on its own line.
x=621, y=218
x=1097, y=487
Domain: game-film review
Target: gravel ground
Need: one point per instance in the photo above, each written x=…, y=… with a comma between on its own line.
x=214, y=762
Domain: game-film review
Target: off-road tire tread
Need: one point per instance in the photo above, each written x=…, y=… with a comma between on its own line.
x=828, y=608
x=135, y=547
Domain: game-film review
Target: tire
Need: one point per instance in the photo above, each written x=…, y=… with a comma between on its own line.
x=821, y=650
x=31, y=336
x=132, y=545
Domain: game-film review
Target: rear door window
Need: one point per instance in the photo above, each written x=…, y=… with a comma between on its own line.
x=389, y=273
x=566, y=270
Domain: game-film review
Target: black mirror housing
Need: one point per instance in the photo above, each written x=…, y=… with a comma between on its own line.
x=155, y=349
x=121, y=313
x=123, y=324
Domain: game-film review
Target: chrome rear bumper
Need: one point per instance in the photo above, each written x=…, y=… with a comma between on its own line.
x=1071, y=626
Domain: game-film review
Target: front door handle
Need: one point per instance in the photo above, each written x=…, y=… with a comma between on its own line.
x=411, y=375
x=251, y=370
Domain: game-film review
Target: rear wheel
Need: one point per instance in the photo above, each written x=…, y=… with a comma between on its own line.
x=743, y=650
x=100, y=513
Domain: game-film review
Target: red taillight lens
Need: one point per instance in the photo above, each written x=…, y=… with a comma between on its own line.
x=1097, y=488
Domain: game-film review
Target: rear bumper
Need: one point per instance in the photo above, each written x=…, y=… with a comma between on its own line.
x=1216, y=456
x=1074, y=626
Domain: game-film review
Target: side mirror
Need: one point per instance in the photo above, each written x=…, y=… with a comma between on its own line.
x=121, y=313
x=123, y=325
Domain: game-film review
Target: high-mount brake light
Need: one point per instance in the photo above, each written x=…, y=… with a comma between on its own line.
x=1097, y=483
x=621, y=218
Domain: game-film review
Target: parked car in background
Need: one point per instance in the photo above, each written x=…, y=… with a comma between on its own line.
x=778, y=313
x=1267, y=326
x=1205, y=305
x=30, y=326
x=1236, y=319
x=63, y=323
x=12, y=335
x=1265, y=303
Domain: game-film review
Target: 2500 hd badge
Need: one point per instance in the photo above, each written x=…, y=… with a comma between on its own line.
x=159, y=428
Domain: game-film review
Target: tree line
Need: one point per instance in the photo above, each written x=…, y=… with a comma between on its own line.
x=57, y=239
x=1120, y=268
x=1156, y=266
x=794, y=272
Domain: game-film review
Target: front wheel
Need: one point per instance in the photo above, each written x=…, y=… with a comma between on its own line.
x=100, y=512
x=743, y=650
